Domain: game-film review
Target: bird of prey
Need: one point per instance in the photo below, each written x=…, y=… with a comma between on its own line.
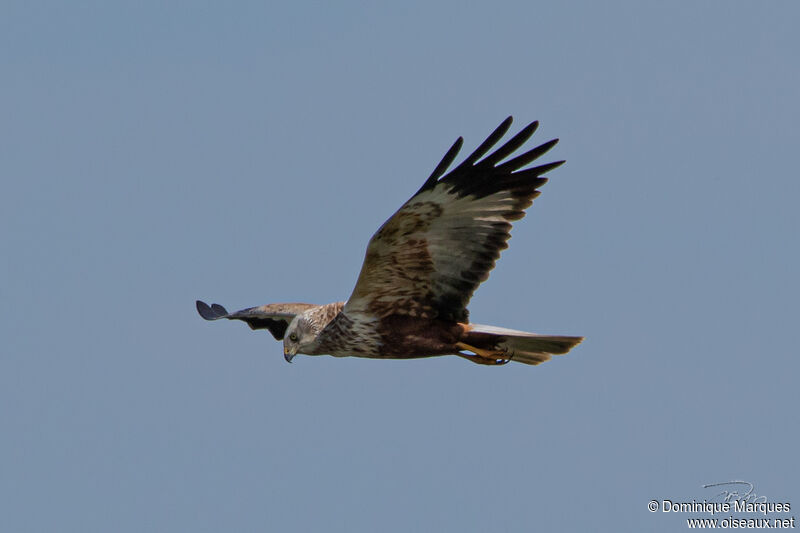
x=422, y=267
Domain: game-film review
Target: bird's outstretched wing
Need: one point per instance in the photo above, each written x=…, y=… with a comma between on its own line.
x=274, y=317
x=431, y=255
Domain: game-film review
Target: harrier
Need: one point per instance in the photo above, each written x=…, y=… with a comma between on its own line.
x=422, y=267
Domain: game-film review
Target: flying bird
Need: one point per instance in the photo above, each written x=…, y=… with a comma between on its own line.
x=422, y=267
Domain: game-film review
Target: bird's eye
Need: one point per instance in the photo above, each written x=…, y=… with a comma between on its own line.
x=293, y=337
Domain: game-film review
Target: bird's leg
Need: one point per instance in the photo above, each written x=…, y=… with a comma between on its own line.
x=483, y=360
x=481, y=357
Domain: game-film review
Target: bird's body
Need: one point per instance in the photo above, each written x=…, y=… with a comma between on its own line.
x=422, y=267
x=394, y=337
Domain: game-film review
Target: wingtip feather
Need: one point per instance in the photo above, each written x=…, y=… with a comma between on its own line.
x=443, y=165
x=213, y=312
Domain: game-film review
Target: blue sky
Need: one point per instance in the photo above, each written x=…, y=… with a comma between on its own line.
x=155, y=154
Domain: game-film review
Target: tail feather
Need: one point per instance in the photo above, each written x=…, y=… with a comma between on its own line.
x=520, y=346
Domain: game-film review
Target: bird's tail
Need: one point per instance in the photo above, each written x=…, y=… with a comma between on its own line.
x=489, y=342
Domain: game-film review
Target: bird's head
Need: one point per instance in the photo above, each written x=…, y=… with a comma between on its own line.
x=300, y=337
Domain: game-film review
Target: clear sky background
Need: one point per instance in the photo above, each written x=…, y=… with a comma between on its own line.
x=244, y=153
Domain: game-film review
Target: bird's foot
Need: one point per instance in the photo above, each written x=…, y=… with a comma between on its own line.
x=481, y=356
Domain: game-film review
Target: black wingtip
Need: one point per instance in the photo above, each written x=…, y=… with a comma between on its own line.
x=550, y=166
x=486, y=145
x=214, y=312
x=221, y=311
x=443, y=165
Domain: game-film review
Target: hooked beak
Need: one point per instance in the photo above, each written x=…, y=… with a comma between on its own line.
x=288, y=354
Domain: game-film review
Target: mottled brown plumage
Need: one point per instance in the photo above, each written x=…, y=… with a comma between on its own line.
x=422, y=267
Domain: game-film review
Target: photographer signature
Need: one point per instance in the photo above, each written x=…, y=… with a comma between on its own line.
x=731, y=494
